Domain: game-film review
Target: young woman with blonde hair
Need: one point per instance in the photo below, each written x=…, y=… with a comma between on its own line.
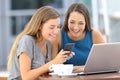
x=31, y=52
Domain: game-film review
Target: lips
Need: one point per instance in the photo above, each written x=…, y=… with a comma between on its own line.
x=75, y=31
x=53, y=36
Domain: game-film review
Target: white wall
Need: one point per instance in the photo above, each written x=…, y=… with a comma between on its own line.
x=4, y=29
x=109, y=18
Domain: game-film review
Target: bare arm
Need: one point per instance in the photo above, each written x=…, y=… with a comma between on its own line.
x=97, y=37
x=25, y=68
x=30, y=74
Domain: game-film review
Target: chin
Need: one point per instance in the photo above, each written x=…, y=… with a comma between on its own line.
x=76, y=35
x=52, y=39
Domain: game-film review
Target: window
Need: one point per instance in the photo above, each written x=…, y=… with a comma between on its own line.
x=18, y=21
x=34, y=4
x=18, y=24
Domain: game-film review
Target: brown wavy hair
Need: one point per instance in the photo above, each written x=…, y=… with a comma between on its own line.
x=78, y=7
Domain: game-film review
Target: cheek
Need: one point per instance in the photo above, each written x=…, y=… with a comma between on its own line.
x=45, y=32
x=70, y=26
x=83, y=27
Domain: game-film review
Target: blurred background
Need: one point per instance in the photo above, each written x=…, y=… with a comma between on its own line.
x=14, y=14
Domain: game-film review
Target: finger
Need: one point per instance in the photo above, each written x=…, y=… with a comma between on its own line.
x=73, y=53
x=61, y=51
x=65, y=56
x=69, y=57
x=65, y=52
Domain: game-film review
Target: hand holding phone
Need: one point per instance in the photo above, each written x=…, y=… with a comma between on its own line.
x=69, y=47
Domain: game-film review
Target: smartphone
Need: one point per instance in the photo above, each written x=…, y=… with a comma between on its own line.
x=69, y=47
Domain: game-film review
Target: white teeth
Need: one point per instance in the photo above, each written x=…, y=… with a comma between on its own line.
x=76, y=30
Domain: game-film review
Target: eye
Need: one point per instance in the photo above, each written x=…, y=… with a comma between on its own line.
x=72, y=22
x=52, y=27
x=81, y=23
x=58, y=27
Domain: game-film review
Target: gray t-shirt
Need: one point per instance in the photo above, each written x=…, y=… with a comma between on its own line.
x=28, y=44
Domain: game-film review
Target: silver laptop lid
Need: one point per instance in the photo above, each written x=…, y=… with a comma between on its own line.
x=103, y=58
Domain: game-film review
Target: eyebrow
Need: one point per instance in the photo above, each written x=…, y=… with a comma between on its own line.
x=74, y=20
x=54, y=25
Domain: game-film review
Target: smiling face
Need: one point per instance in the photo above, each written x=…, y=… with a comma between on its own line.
x=76, y=25
x=50, y=29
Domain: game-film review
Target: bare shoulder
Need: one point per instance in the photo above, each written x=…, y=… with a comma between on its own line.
x=96, y=33
x=97, y=37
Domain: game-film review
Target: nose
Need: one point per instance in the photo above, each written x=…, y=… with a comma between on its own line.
x=76, y=26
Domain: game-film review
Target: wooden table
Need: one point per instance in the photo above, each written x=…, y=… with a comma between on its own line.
x=3, y=78
x=106, y=76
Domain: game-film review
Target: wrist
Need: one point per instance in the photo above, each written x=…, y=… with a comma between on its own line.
x=56, y=61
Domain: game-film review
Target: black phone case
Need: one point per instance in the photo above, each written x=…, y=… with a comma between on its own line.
x=69, y=47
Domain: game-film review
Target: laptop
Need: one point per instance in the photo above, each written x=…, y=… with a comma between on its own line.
x=103, y=58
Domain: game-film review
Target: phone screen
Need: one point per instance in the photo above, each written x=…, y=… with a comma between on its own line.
x=69, y=47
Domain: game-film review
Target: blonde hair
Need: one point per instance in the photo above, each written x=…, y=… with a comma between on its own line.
x=33, y=28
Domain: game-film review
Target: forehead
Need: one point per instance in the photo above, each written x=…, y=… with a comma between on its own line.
x=76, y=16
x=53, y=21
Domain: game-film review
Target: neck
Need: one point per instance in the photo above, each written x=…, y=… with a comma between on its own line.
x=41, y=42
x=42, y=46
